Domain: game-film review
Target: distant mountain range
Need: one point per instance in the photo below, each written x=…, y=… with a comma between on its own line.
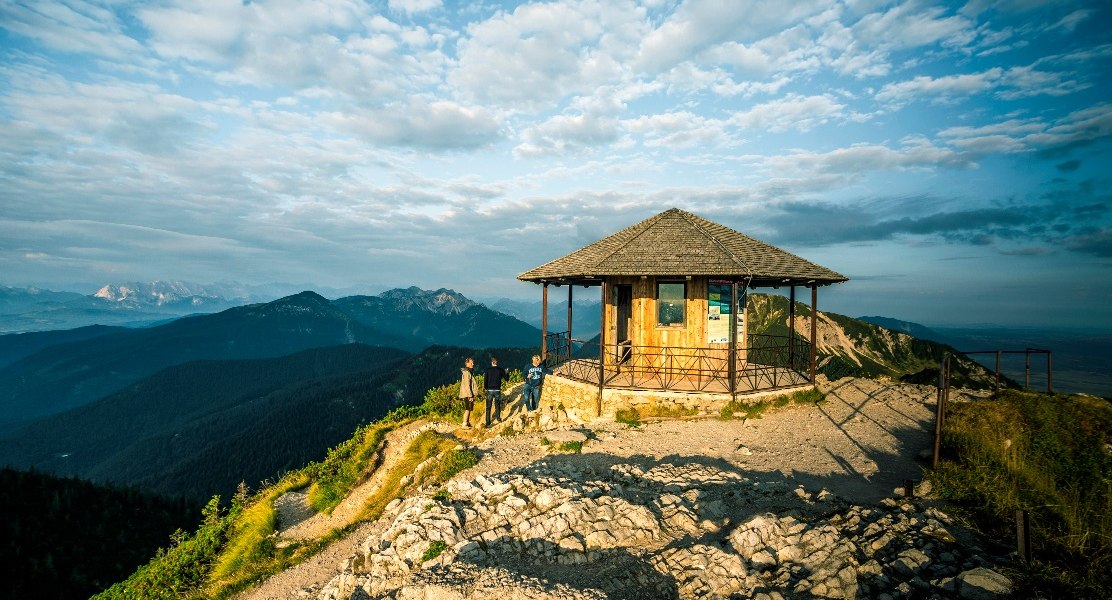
x=199, y=428
x=49, y=372
x=585, y=314
x=32, y=309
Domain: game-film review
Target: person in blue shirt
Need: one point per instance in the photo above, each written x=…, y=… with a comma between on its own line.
x=534, y=379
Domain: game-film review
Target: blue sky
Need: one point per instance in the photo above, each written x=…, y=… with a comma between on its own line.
x=952, y=159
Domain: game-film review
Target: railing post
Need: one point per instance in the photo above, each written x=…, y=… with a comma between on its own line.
x=996, y=385
x=1027, y=370
x=940, y=404
x=1023, y=535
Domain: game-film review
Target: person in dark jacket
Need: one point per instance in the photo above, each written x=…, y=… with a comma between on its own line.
x=492, y=381
x=534, y=378
x=467, y=390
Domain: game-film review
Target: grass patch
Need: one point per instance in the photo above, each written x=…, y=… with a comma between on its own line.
x=402, y=476
x=345, y=466
x=628, y=416
x=1047, y=455
x=434, y=550
x=573, y=446
x=442, y=495
x=545, y=441
x=734, y=409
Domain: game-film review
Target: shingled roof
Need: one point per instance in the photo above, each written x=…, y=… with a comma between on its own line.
x=678, y=243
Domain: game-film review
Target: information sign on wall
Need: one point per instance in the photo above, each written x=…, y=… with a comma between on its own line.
x=719, y=302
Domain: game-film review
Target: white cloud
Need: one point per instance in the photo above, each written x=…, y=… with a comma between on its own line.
x=438, y=124
x=542, y=53
x=946, y=87
x=1014, y=135
x=911, y=25
x=336, y=44
x=859, y=159
x=1009, y=84
x=679, y=130
x=700, y=24
x=564, y=134
x=74, y=26
x=793, y=112
x=414, y=6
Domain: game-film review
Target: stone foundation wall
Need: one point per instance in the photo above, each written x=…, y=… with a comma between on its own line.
x=580, y=400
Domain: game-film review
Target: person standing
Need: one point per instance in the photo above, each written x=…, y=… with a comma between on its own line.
x=492, y=381
x=467, y=390
x=534, y=378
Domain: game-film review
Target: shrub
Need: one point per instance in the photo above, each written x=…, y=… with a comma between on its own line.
x=345, y=466
x=442, y=495
x=434, y=550
x=181, y=569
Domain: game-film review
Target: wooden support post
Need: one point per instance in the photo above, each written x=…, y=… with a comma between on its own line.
x=732, y=355
x=570, y=287
x=791, y=329
x=601, y=351
x=814, y=326
x=909, y=489
x=1023, y=535
x=544, y=322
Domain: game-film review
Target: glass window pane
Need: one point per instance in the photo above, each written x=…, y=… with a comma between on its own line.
x=670, y=303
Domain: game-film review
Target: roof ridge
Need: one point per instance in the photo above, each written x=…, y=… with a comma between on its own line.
x=737, y=259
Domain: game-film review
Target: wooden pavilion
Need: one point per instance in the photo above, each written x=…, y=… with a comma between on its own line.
x=673, y=291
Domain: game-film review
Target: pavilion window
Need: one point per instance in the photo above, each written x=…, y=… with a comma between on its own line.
x=670, y=303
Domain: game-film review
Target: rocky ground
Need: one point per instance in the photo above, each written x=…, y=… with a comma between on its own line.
x=797, y=504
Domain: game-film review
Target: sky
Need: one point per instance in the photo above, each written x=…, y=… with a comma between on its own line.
x=952, y=159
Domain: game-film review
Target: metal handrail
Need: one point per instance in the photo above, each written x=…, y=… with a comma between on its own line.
x=765, y=362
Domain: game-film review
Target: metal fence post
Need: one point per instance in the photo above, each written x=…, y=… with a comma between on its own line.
x=1023, y=535
x=1049, y=371
x=943, y=383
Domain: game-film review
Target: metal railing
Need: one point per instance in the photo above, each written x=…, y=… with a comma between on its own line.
x=1027, y=352
x=765, y=363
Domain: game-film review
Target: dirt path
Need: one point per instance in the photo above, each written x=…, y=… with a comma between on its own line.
x=297, y=521
x=861, y=443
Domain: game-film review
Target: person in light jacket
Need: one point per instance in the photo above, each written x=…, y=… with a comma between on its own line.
x=467, y=390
